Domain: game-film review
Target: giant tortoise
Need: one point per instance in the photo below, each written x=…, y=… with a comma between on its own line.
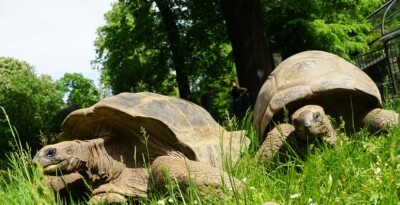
x=112, y=144
x=309, y=86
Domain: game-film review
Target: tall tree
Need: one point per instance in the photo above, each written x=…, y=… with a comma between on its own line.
x=253, y=58
x=175, y=45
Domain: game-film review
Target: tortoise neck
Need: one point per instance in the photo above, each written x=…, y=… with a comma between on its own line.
x=330, y=134
x=99, y=163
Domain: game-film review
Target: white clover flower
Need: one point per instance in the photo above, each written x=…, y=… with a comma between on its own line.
x=170, y=200
x=160, y=202
x=294, y=196
x=377, y=170
x=310, y=202
x=195, y=202
x=244, y=180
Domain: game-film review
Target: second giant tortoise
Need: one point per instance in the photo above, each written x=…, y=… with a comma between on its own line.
x=109, y=144
x=308, y=86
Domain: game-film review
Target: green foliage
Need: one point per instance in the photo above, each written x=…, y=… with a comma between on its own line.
x=131, y=51
x=339, y=26
x=133, y=54
x=81, y=91
x=30, y=101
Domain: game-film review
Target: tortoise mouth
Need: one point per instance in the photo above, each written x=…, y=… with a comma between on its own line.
x=304, y=131
x=308, y=135
x=51, y=168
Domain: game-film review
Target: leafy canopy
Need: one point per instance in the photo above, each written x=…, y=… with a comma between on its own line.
x=30, y=101
x=133, y=53
x=81, y=91
x=338, y=26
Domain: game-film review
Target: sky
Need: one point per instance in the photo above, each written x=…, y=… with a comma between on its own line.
x=54, y=36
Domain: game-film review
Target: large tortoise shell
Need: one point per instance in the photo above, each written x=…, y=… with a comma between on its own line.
x=157, y=124
x=315, y=77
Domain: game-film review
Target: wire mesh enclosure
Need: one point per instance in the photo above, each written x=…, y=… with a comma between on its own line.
x=383, y=61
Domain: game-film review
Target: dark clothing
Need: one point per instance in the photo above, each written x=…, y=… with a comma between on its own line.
x=237, y=108
x=235, y=93
x=206, y=102
x=237, y=104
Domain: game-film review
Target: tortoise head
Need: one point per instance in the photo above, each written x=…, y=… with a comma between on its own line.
x=311, y=121
x=63, y=156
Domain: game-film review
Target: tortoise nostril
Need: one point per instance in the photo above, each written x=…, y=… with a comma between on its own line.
x=50, y=152
x=307, y=123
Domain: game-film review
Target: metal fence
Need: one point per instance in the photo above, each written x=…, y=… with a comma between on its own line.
x=383, y=66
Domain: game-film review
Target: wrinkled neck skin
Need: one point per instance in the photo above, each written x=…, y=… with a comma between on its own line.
x=329, y=135
x=99, y=164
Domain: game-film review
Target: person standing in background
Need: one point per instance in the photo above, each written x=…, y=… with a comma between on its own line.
x=236, y=94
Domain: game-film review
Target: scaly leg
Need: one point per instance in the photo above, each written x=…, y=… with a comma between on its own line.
x=108, y=198
x=58, y=183
x=184, y=170
x=68, y=185
x=380, y=120
x=131, y=184
x=274, y=142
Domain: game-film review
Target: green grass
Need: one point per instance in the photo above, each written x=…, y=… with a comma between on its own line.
x=20, y=182
x=361, y=169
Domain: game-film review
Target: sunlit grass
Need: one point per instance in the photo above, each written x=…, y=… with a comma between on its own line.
x=361, y=169
x=20, y=182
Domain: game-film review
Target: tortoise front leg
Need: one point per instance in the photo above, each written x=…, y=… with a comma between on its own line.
x=274, y=142
x=184, y=170
x=108, y=198
x=69, y=185
x=131, y=184
x=58, y=183
x=380, y=120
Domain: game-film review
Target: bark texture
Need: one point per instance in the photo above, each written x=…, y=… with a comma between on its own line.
x=247, y=34
x=175, y=44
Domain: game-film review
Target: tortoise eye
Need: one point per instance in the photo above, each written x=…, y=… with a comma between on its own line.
x=50, y=152
x=317, y=117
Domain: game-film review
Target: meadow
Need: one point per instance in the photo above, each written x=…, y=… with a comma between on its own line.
x=361, y=169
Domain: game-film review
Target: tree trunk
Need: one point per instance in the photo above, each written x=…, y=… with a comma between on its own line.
x=175, y=45
x=247, y=34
